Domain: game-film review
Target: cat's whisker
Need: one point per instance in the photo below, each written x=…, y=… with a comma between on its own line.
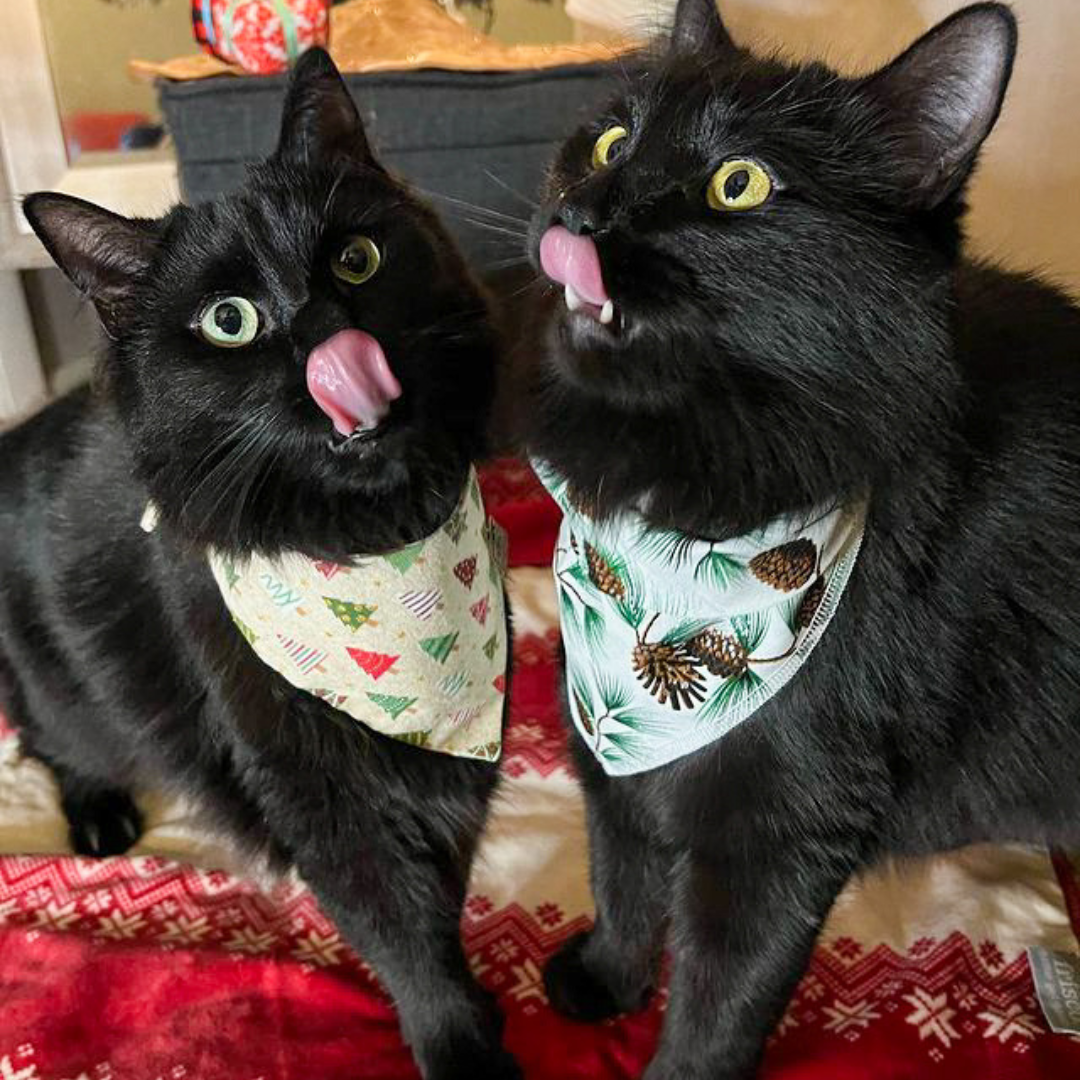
x=220, y=476
x=245, y=456
x=229, y=435
x=504, y=264
x=496, y=215
x=263, y=467
x=499, y=229
x=531, y=203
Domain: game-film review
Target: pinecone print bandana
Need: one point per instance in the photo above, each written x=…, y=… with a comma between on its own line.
x=673, y=641
x=411, y=644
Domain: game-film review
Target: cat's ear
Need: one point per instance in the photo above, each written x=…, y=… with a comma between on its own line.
x=101, y=252
x=698, y=28
x=319, y=121
x=943, y=97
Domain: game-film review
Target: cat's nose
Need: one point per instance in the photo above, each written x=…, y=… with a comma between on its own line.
x=581, y=220
x=317, y=320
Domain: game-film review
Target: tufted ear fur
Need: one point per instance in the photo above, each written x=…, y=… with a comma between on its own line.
x=698, y=28
x=319, y=120
x=942, y=97
x=101, y=252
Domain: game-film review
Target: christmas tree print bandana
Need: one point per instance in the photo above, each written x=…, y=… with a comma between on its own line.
x=672, y=641
x=411, y=643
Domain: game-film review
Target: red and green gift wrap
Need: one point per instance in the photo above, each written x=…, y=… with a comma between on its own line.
x=261, y=36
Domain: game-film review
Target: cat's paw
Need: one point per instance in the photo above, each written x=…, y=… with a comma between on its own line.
x=576, y=992
x=103, y=822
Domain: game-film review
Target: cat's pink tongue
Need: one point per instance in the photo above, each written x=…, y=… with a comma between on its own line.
x=351, y=381
x=573, y=260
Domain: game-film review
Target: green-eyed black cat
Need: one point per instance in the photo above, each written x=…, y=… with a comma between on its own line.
x=297, y=379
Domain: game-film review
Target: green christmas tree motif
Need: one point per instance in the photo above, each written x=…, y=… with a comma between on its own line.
x=375, y=664
x=231, y=576
x=439, y=648
x=490, y=646
x=352, y=615
x=402, y=560
x=474, y=491
x=455, y=527
x=249, y=635
x=452, y=685
x=414, y=738
x=391, y=705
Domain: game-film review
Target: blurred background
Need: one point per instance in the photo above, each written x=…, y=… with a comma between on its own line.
x=73, y=117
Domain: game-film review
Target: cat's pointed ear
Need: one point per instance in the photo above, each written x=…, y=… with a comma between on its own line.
x=943, y=97
x=698, y=28
x=319, y=121
x=101, y=252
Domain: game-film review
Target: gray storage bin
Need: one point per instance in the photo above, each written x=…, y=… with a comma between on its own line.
x=446, y=131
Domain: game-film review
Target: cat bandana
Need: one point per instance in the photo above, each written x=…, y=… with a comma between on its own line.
x=672, y=641
x=412, y=643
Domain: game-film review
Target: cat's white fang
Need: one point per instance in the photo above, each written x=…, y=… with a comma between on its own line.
x=607, y=312
x=573, y=301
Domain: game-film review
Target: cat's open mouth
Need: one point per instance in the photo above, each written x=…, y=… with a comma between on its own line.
x=360, y=439
x=574, y=263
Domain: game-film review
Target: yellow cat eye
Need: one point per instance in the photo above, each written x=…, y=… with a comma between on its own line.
x=229, y=323
x=738, y=185
x=608, y=147
x=357, y=261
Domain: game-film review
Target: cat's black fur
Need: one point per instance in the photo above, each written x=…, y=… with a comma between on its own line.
x=833, y=342
x=120, y=665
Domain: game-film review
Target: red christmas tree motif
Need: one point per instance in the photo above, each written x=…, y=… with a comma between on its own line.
x=481, y=608
x=376, y=664
x=499, y=682
x=327, y=569
x=465, y=571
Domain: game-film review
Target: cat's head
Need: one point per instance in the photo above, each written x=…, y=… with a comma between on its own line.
x=754, y=263
x=305, y=363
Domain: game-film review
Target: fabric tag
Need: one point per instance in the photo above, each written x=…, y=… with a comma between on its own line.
x=1057, y=984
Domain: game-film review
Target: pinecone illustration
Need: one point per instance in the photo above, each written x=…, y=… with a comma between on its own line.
x=810, y=603
x=602, y=574
x=670, y=673
x=723, y=654
x=786, y=567
x=583, y=713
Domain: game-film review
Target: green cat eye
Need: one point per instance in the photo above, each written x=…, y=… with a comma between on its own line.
x=608, y=147
x=357, y=261
x=229, y=323
x=738, y=185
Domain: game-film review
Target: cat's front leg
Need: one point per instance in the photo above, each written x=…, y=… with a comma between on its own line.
x=746, y=915
x=613, y=967
x=384, y=840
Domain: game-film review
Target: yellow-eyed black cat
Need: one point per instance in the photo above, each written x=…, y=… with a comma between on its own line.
x=820, y=562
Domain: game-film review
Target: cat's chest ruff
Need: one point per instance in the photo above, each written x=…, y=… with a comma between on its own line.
x=672, y=641
x=411, y=644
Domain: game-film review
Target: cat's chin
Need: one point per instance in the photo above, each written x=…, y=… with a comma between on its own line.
x=585, y=351
x=616, y=365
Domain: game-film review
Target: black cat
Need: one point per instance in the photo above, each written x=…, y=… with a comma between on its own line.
x=121, y=667
x=769, y=318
